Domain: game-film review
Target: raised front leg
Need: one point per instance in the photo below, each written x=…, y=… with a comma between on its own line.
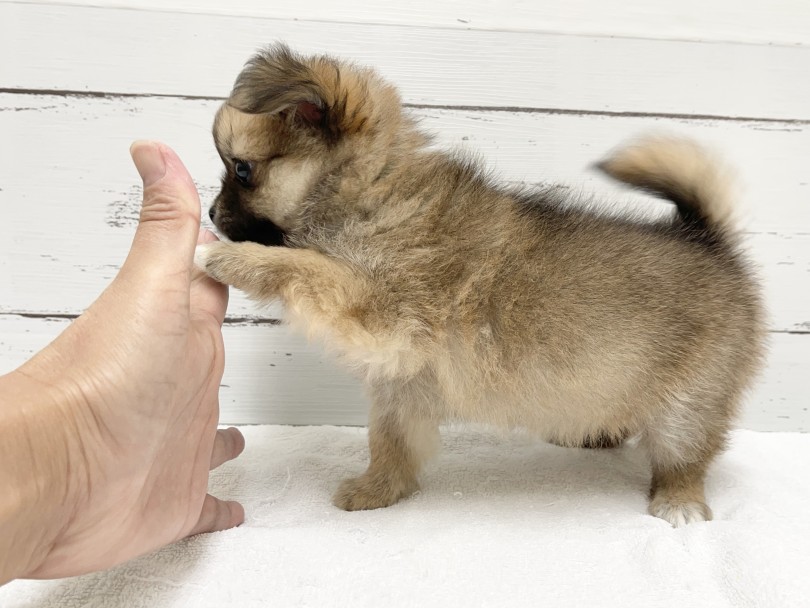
x=401, y=437
x=330, y=300
x=305, y=280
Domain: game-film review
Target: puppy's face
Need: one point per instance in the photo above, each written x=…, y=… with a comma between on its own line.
x=270, y=168
x=289, y=124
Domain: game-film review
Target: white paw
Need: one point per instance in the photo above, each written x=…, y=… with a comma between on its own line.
x=201, y=255
x=682, y=513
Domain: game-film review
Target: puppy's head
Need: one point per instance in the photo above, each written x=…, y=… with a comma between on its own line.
x=292, y=127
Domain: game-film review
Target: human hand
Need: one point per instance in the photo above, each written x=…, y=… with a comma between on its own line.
x=134, y=383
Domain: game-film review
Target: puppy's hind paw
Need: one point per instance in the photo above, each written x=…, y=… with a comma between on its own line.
x=678, y=513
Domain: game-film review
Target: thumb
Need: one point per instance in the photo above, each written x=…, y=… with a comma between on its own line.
x=170, y=215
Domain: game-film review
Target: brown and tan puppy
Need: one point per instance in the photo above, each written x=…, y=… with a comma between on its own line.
x=459, y=299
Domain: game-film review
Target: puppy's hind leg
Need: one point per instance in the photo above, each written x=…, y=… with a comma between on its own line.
x=402, y=435
x=682, y=442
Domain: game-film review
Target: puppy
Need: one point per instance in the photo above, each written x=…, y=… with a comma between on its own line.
x=459, y=299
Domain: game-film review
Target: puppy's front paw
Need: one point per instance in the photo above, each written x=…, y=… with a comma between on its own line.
x=210, y=258
x=371, y=492
x=201, y=255
x=680, y=513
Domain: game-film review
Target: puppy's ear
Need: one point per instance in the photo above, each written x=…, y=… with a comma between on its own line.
x=315, y=89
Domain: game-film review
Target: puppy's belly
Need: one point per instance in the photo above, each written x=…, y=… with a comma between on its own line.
x=549, y=408
x=556, y=418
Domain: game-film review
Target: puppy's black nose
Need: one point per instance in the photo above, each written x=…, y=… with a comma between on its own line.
x=211, y=213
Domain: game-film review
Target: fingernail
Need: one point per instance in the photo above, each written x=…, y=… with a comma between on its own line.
x=148, y=160
x=206, y=236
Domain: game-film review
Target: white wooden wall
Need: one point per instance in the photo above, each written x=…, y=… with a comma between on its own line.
x=541, y=89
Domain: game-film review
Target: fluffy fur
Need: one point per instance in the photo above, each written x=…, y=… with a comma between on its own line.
x=458, y=299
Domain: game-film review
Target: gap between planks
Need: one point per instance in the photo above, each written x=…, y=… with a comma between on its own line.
x=57, y=316
x=248, y=321
x=463, y=108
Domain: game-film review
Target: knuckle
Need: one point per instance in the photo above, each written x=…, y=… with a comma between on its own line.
x=163, y=206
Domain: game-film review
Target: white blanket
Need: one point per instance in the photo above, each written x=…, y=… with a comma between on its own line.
x=500, y=521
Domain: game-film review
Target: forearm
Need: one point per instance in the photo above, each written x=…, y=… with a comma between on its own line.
x=39, y=469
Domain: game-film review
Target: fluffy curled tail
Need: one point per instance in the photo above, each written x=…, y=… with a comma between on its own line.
x=683, y=172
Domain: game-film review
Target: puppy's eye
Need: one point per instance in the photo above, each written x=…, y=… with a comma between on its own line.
x=242, y=169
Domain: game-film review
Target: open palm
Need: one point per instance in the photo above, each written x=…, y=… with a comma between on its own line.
x=142, y=368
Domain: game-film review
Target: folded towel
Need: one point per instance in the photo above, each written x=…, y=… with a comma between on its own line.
x=501, y=520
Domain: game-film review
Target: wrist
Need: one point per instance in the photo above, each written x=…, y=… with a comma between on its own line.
x=42, y=471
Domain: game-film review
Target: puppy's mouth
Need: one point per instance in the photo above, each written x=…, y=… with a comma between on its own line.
x=253, y=229
x=263, y=232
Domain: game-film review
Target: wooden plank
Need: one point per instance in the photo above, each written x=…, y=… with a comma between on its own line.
x=770, y=159
x=271, y=376
x=137, y=52
x=275, y=377
x=779, y=401
x=777, y=22
x=72, y=201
